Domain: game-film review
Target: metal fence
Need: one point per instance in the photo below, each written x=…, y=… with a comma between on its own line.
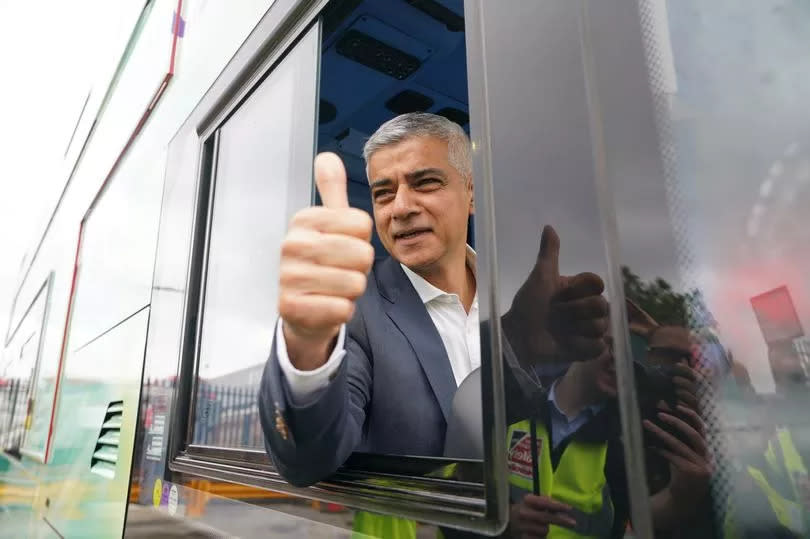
x=13, y=412
x=227, y=416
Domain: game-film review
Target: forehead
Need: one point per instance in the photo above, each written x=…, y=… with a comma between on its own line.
x=410, y=154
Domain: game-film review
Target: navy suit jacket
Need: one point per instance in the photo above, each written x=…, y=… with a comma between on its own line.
x=391, y=395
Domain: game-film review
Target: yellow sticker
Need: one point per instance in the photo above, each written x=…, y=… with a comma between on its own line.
x=157, y=492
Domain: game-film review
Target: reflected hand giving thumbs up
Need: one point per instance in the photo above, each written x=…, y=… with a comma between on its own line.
x=555, y=316
x=325, y=258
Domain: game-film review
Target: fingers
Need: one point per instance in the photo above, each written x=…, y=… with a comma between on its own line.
x=580, y=286
x=347, y=221
x=325, y=257
x=307, y=278
x=670, y=442
x=696, y=441
x=538, y=511
x=581, y=325
x=330, y=177
x=596, y=328
x=333, y=250
x=544, y=503
x=584, y=308
x=687, y=397
x=691, y=416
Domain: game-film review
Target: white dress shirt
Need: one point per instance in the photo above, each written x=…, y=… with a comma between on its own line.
x=458, y=330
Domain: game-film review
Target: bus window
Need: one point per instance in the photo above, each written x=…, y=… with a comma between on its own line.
x=255, y=185
x=711, y=182
x=378, y=62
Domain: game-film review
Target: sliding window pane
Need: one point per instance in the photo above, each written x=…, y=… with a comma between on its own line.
x=263, y=172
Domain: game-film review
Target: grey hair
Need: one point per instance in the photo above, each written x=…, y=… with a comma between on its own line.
x=424, y=124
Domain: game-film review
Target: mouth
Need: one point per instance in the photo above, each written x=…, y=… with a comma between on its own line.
x=411, y=233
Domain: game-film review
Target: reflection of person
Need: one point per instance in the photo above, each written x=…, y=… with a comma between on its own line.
x=371, y=362
x=770, y=489
x=581, y=489
x=578, y=489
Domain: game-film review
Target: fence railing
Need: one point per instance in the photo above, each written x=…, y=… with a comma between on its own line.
x=227, y=416
x=13, y=413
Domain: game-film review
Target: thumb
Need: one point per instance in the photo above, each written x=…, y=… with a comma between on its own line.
x=548, y=259
x=330, y=177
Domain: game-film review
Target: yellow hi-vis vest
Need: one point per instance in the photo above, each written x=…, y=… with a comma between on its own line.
x=790, y=513
x=791, y=462
x=372, y=525
x=579, y=479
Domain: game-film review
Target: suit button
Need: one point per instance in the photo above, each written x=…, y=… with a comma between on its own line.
x=281, y=425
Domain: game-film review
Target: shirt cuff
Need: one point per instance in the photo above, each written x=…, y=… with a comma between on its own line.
x=306, y=385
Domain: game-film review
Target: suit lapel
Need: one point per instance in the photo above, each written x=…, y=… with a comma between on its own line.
x=409, y=314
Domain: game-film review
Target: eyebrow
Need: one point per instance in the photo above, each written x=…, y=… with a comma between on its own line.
x=380, y=183
x=416, y=174
x=410, y=177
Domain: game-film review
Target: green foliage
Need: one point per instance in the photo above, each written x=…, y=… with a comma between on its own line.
x=664, y=304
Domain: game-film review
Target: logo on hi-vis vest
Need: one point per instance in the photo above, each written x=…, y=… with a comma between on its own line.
x=520, y=453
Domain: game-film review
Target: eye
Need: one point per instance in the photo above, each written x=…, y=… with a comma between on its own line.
x=428, y=182
x=383, y=195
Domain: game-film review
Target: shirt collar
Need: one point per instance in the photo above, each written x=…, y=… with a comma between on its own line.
x=427, y=292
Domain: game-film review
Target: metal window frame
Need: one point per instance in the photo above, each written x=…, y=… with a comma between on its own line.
x=46, y=288
x=479, y=506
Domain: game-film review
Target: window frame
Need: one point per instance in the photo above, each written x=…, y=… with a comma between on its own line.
x=480, y=505
x=44, y=293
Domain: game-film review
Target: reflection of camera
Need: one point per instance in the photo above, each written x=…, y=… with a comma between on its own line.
x=654, y=384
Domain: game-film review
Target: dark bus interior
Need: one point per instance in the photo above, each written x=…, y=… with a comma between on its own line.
x=385, y=58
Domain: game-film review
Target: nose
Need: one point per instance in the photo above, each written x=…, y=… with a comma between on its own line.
x=404, y=205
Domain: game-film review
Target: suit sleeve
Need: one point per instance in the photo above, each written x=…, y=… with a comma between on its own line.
x=308, y=441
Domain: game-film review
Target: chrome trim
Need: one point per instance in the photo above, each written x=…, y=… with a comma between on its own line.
x=629, y=410
x=421, y=500
x=494, y=408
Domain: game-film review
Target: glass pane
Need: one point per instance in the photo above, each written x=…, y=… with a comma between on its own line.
x=262, y=171
x=565, y=446
x=25, y=399
x=709, y=168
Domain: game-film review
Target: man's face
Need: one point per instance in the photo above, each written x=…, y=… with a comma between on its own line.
x=421, y=202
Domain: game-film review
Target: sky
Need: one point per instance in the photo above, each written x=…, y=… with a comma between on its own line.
x=47, y=58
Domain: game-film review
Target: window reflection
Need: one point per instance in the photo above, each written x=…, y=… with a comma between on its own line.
x=258, y=170
x=715, y=237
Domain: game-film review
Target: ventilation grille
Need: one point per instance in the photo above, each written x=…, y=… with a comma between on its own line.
x=372, y=53
x=105, y=455
x=452, y=20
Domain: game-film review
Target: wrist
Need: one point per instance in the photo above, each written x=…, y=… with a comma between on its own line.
x=307, y=352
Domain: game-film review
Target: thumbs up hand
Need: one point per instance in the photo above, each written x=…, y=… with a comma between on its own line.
x=554, y=315
x=325, y=258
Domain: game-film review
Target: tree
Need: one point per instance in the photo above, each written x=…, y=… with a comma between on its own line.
x=664, y=304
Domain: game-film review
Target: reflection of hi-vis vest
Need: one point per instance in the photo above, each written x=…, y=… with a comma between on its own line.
x=578, y=479
x=372, y=525
x=783, y=463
